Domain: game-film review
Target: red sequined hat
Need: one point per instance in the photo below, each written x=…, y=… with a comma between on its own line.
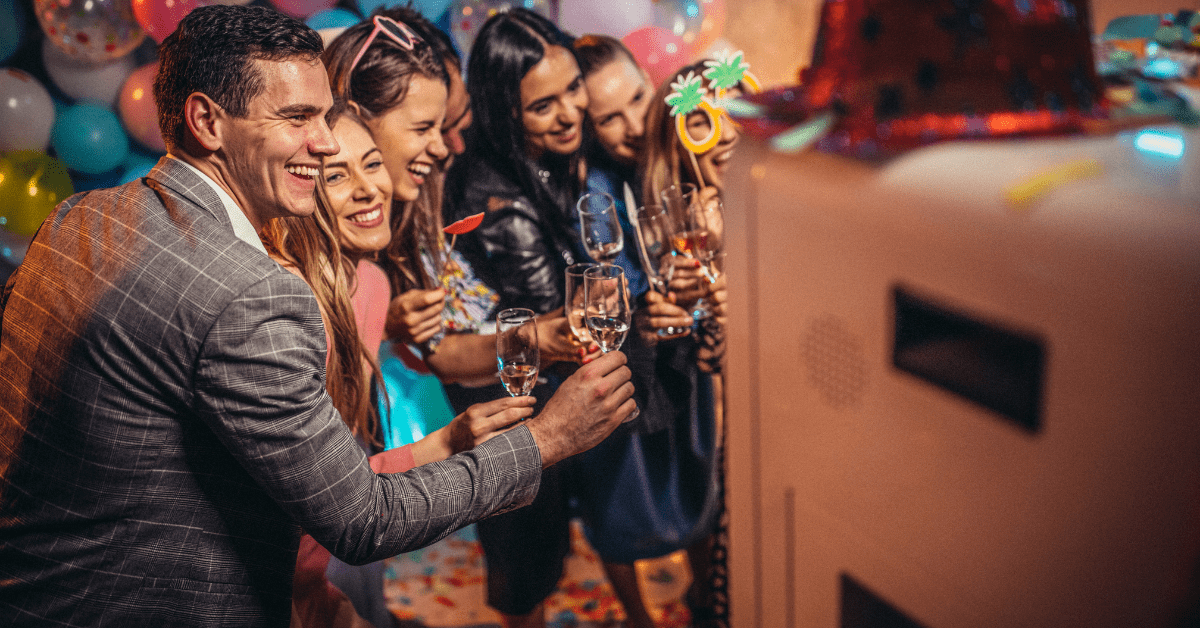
x=894, y=74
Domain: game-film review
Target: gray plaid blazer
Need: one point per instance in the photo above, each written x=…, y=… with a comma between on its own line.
x=165, y=432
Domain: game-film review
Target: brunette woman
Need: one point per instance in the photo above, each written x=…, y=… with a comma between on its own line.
x=399, y=85
x=523, y=167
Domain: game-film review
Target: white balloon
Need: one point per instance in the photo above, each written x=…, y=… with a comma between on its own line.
x=97, y=82
x=616, y=19
x=330, y=34
x=26, y=112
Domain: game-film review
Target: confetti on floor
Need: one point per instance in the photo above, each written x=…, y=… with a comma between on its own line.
x=443, y=586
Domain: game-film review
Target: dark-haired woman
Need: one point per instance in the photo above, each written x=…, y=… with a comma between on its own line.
x=523, y=167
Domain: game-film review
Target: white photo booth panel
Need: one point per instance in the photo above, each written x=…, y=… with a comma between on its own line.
x=949, y=411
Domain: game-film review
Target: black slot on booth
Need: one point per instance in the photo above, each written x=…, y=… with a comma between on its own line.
x=1000, y=369
x=863, y=609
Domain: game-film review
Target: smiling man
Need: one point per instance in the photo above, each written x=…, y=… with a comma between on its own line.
x=164, y=426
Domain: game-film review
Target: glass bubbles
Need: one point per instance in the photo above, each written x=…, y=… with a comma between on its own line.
x=90, y=30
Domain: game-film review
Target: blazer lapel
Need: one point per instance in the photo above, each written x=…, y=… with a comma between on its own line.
x=181, y=183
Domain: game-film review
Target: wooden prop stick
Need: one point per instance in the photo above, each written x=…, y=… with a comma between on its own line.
x=696, y=170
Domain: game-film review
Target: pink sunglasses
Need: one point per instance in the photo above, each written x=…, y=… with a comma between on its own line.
x=393, y=29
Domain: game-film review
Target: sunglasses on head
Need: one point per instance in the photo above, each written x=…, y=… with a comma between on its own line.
x=398, y=32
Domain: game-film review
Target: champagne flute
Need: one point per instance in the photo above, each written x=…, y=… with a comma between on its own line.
x=574, y=308
x=607, y=313
x=690, y=237
x=654, y=232
x=607, y=310
x=517, y=350
x=599, y=227
x=678, y=200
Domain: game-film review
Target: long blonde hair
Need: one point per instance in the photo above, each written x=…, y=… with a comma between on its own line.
x=312, y=245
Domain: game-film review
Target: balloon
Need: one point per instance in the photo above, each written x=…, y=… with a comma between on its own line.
x=12, y=249
x=31, y=184
x=468, y=16
x=89, y=139
x=12, y=28
x=330, y=34
x=26, y=112
x=431, y=9
x=659, y=51
x=582, y=17
x=332, y=18
x=83, y=80
x=137, y=109
x=301, y=9
x=136, y=166
x=90, y=30
x=160, y=17
x=697, y=22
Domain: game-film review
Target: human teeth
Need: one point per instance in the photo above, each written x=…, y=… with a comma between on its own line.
x=420, y=169
x=368, y=216
x=303, y=171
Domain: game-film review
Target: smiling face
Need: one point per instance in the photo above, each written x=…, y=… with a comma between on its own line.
x=715, y=162
x=553, y=100
x=273, y=155
x=359, y=189
x=619, y=93
x=410, y=135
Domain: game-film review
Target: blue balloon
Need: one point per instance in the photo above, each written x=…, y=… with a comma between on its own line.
x=136, y=166
x=332, y=18
x=12, y=28
x=89, y=139
x=431, y=9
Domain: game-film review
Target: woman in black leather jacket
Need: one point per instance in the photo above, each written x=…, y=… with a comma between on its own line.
x=524, y=171
x=523, y=167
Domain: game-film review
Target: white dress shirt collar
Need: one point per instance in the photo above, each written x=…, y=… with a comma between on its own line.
x=242, y=227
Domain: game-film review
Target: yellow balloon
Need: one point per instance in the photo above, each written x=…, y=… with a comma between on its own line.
x=32, y=183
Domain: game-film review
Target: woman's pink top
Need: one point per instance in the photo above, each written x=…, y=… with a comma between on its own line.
x=370, y=300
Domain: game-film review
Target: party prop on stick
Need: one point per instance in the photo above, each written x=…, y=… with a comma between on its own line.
x=457, y=228
x=724, y=71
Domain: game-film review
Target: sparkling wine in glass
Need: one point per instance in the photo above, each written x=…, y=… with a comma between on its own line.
x=654, y=233
x=599, y=227
x=691, y=237
x=607, y=312
x=517, y=350
x=574, y=304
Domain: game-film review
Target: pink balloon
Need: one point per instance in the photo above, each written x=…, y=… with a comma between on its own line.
x=582, y=17
x=160, y=17
x=659, y=51
x=137, y=110
x=301, y=9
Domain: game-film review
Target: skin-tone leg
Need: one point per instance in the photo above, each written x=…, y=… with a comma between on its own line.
x=535, y=619
x=623, y=577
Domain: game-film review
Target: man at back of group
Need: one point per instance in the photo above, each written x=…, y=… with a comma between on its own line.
x=164, y=428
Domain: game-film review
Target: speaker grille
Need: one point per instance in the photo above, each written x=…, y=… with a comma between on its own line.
x=835, y=360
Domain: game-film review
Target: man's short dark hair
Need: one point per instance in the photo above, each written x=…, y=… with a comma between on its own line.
x=213, y=51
